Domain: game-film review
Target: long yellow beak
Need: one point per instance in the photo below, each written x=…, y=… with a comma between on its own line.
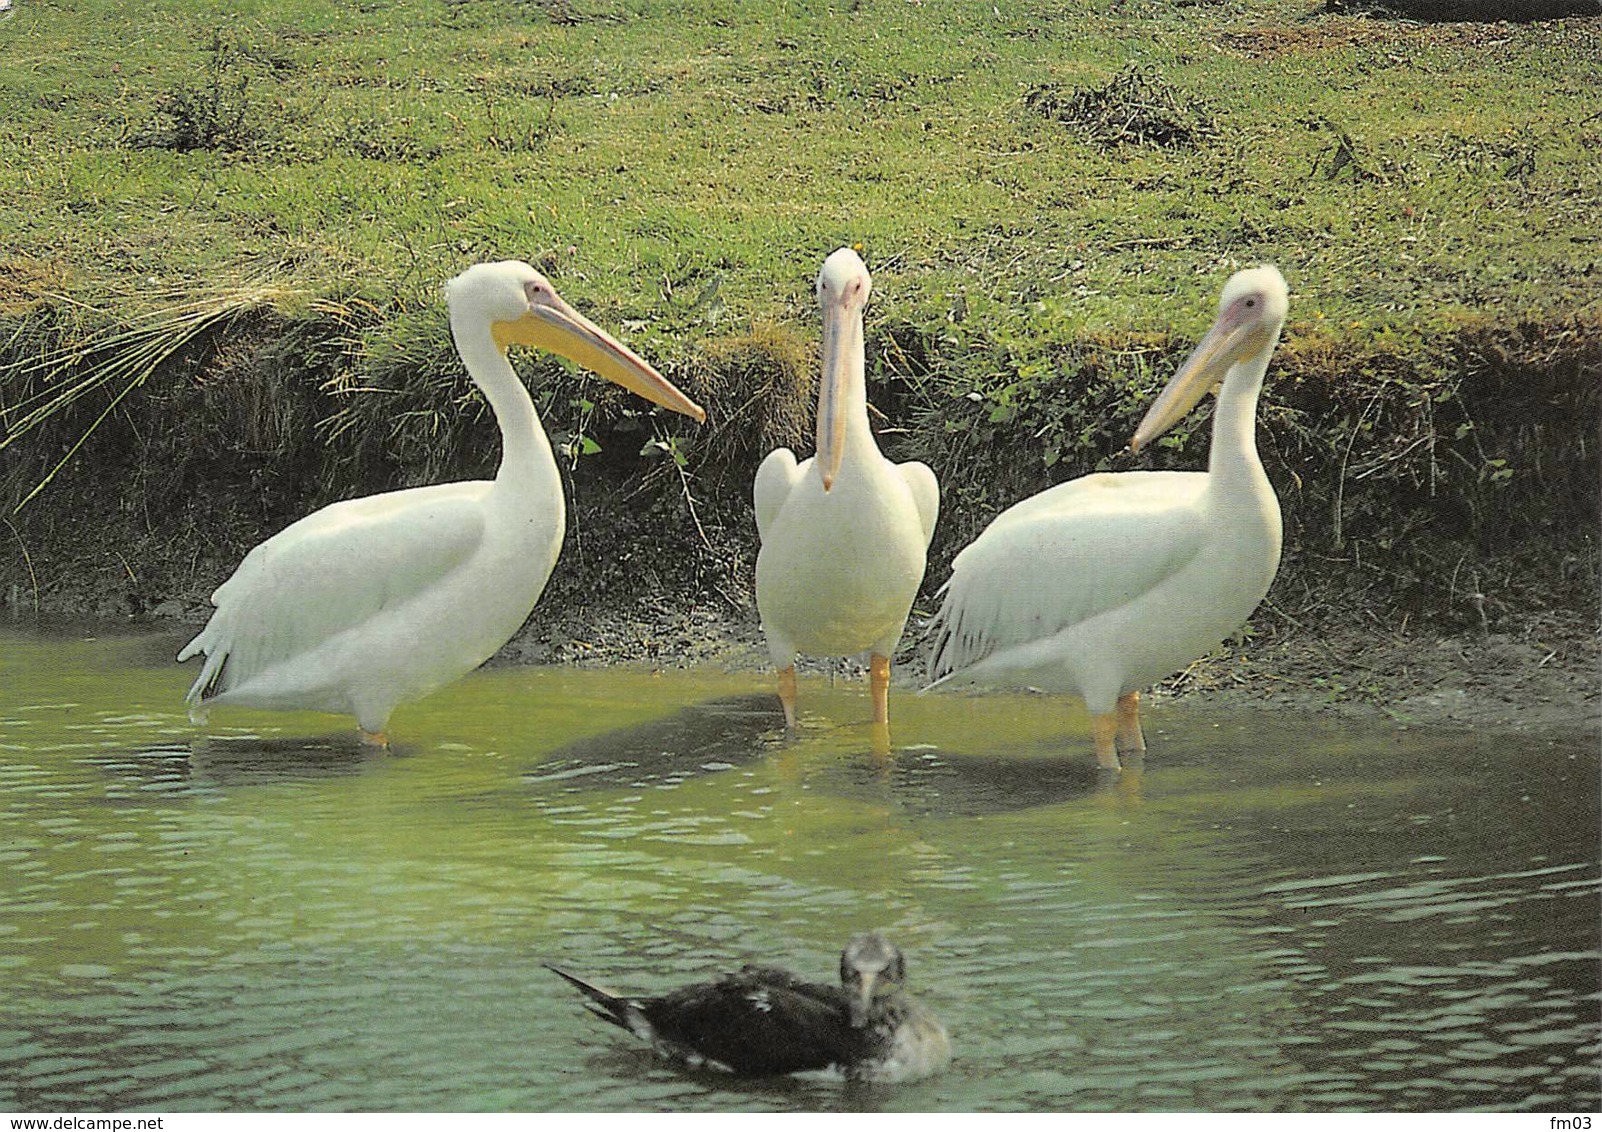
x=837, y=332
x=551, y=324
x=1226, y=343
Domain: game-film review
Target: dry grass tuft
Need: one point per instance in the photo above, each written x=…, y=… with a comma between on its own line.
x=1137, y=107
x=105, y=367
x=758, y=390
x=26, y=284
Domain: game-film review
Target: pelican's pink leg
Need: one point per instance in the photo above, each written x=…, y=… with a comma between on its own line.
x=879, y=685
x=1105, y=729
x=1129, y=739
x=787, y=694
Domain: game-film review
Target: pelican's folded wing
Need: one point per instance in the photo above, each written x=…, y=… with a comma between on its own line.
x=331, y=571
x=1063, y=556
x=775, y=480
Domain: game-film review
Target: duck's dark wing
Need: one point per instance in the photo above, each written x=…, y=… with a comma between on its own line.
x=757, y=1021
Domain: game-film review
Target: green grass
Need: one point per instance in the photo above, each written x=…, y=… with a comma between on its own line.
x=638, y=150
x=682, y=170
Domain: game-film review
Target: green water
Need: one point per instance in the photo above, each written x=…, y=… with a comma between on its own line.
x=1281, y=912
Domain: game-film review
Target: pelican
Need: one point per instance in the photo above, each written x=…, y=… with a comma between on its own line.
x=846, y=533
x=373, y=601
x=1103, y=585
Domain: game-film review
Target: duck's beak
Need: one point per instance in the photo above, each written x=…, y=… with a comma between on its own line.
x=862, y=1001
x=551, y=324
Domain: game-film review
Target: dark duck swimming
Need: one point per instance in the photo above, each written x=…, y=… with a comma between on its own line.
x=764, y=1021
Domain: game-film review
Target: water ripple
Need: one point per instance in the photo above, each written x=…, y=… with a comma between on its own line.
x=262, y=921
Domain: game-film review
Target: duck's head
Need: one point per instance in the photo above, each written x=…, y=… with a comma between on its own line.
x=871, y=968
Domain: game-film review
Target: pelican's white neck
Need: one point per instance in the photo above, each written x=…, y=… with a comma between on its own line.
x=1234, y=449
x=525, y=451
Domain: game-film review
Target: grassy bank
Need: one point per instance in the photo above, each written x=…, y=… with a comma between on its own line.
x=227, y=226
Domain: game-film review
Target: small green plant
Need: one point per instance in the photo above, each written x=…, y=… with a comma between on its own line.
x=576, y=443
x=213, y=114
x=1340, y=155
x=384, y=137
x=670, y=446
x=512, y=127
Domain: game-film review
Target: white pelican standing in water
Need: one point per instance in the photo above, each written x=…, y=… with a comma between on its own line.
x=373, y=601
x=1103, y=585
x=845, y=534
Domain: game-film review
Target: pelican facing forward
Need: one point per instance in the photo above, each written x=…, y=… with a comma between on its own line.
x=1103, y=585
x=373, y=601
x=845, y=534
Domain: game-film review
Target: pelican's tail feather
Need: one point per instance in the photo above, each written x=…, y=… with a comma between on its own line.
x=211, y=681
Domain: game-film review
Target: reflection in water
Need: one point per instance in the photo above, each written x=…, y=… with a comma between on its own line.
x=209, y=763
x=931, y=782
x=1280, y=913
x=715, y=735
x=257, y=761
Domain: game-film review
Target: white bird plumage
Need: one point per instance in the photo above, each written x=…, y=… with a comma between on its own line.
x=1103, y=585
x=845, y=534
x=371, y=602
